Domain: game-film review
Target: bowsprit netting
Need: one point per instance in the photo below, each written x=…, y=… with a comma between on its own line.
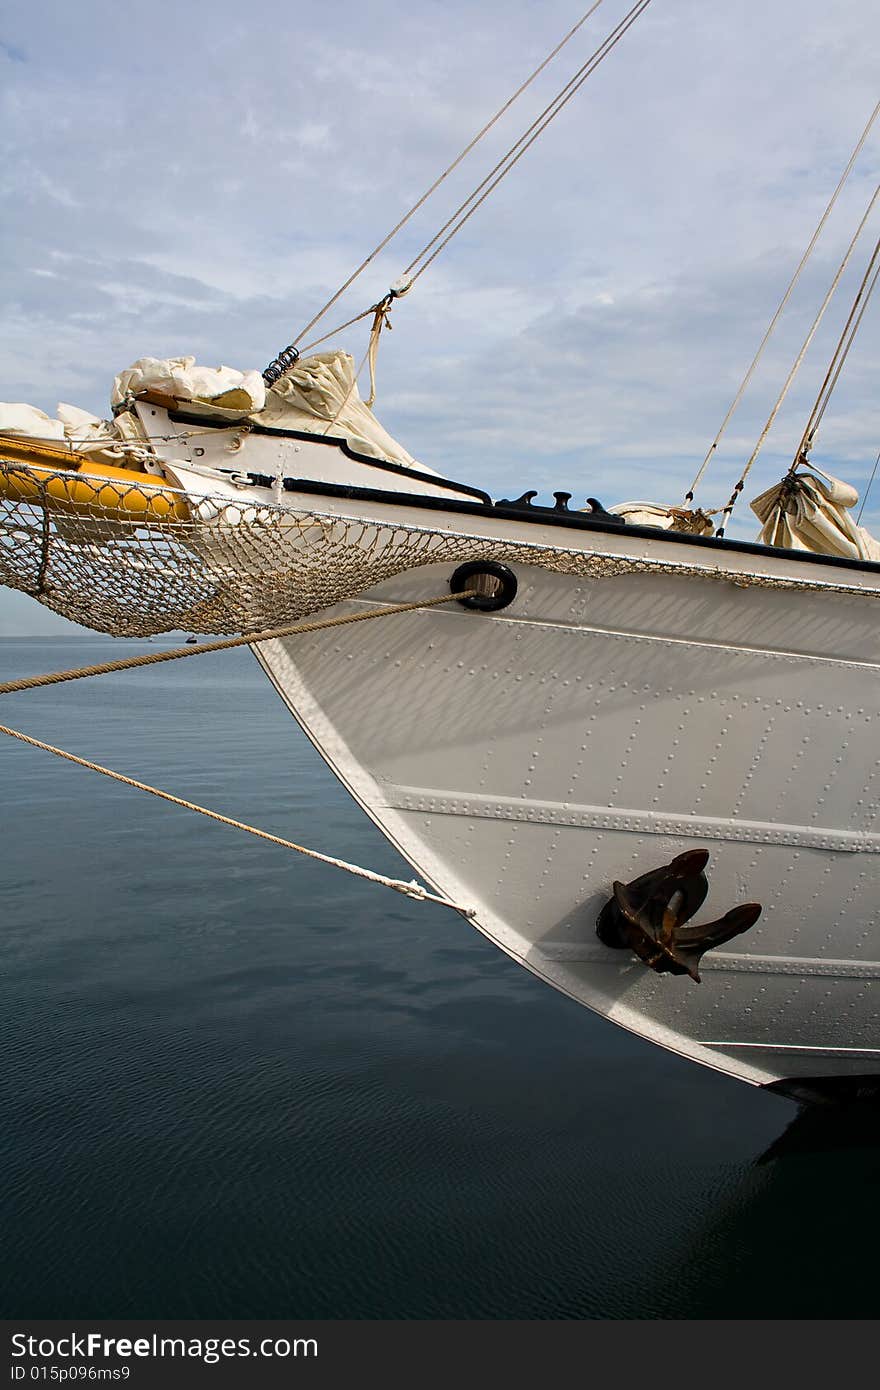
x=137, y=560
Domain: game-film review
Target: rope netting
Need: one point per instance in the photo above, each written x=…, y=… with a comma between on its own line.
x=135, y=560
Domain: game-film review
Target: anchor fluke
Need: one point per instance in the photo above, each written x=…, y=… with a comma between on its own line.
x=648, y=916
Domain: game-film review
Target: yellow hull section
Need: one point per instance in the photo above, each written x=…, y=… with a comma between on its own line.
x=52, y=476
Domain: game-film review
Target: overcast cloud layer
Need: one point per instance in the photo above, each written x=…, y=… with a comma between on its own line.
x=198, y=178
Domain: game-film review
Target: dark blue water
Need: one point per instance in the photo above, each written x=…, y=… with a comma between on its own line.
x=235, y=1083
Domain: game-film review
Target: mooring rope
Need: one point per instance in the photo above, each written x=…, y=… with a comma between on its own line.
x=104, y=668
x=411, y=890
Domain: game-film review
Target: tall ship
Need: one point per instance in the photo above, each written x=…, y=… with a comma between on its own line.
x=639, y=755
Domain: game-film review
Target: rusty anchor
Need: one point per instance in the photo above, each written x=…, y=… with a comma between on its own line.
x=648, y=917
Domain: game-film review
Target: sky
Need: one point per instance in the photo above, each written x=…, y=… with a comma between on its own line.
x=200, y=178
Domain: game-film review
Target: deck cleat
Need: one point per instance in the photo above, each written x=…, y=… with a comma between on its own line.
x=648, y=917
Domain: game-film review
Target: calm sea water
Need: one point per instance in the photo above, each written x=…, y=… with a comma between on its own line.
x=238, y=1084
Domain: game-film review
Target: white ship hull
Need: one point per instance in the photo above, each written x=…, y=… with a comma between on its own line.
x=642, y=695
x=524, y=760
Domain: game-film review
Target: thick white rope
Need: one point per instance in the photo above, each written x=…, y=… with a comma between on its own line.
x=411, y=889
x=689, y=496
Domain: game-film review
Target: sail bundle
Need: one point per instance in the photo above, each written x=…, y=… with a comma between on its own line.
x=811, y=511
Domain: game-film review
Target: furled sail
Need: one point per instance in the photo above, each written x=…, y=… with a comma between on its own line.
x=27, y=422
x=318, y=396
x=75, y=430
x=180, y=379
x=810, y=512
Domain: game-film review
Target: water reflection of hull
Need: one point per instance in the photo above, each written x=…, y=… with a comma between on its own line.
x=832, y=1126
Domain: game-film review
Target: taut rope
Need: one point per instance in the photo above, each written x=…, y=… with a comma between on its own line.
x=838, y=360
x=518, y=149
x=868, y=488
x=731, y=503
x=288, y=357
x=104, y=668
x=689, y=495
x=282, y=362
x=411, y=889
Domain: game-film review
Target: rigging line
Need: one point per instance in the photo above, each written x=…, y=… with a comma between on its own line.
x=505, y=164
x=796, y=366
x=381, y=320
x=689, y=496
x=868, y=488
x=446, y=172
x=839, y=356
x=541, y=122
x=316, y=342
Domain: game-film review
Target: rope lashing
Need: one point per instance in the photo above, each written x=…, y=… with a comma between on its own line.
x=689, y=495
x=396, y=291
x=381, y=319
x=411, y=889
x=105, y=668
x=340, y=328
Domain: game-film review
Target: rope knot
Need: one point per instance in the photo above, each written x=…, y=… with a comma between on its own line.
x=381, y=319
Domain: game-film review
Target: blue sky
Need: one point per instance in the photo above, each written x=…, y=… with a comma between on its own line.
x=198, y=179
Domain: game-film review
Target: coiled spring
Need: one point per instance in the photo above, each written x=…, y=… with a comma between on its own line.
x=287, y=358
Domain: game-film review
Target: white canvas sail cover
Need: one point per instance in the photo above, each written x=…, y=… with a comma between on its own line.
x=318, y=396
x=181, y=379
x=808, y=512
x=668, y=518
x=81, y=430
x=26, y=421
x=643, y=514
